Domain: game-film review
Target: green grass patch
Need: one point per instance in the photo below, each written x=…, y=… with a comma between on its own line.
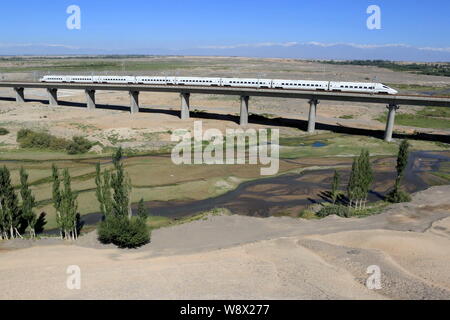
x=443, y=175
x=437, y=112
x=346, y=116
x=416, y=120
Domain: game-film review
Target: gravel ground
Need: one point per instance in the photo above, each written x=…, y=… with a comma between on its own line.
x=242, y=257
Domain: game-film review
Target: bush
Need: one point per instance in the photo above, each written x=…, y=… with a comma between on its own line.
x=79, y=145
x=124, y=232
x=22, y=133
x=398, y=196
x=3, y=131
x=339, y=210
x=42, y=140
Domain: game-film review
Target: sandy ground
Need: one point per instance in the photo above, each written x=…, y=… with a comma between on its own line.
x=241, y=257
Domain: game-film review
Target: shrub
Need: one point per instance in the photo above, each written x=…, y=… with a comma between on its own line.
x=42, y=140
x=307, y=214
x=124, y=232
x=398, y=196
x=3, y=131
x=79, y=145
x=22, y=133
x=339, y=210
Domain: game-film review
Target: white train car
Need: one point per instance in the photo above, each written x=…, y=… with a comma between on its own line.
x=78, y=79
x=352, y=86
x=265, y=83
x=197, y=81
x=239, y=82
x=116, y=79
x=53, y=79
x=300, y=84
x=151, y=80
x=171, y=80
x=361, y=87
x=381, y=88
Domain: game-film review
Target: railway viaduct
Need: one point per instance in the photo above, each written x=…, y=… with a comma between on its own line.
x=393, y=102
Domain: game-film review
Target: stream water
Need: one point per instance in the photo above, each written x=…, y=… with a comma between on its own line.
x=269, y=196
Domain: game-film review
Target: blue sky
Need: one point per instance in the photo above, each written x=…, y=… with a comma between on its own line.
x=180, y=24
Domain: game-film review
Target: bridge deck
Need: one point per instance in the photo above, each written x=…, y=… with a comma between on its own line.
x=275, y=93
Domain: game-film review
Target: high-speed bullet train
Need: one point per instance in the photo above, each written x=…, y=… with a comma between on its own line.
x=361, y=87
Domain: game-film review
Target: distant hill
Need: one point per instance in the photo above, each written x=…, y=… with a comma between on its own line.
x=309, y=50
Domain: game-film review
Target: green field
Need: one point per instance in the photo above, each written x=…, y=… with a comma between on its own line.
x=155, y=178
x=430, y=117
x=435, y=69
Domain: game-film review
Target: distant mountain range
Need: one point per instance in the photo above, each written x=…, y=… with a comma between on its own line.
x=295, y=50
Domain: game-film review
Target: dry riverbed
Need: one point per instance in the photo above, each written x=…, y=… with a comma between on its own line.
x=234, y=256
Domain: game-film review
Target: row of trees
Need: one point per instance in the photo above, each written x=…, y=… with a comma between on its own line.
x=16, y=213
x=361, y=179
x=118, y=226
x=17, y=210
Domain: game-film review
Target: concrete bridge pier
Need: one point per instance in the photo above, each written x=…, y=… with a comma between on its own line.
x=243, y=121
x=90, y=98
x=390, y=122
x=312, y=115
x=52, y=96
x=134, y=101
x=185, y=105
x=20, y=96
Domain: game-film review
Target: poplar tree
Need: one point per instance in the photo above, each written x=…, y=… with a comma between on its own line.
x=56, y=194
x=335, y=186
x=65, y=203
x=119, y=227
x=121, y=187
x=3, y=219
x=28, y=203
x=366, y=176
x=69, y=208
x=11, y=213
x=103, y=190
x=352, y=187
x=398, y=195
x=4, y=227
x=361, y=178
